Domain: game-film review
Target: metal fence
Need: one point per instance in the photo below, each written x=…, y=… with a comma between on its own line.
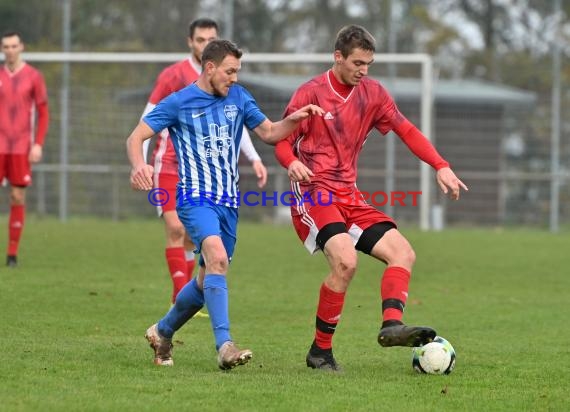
x=496, y=138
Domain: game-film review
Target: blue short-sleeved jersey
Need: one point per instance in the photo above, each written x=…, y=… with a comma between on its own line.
x=206, y=133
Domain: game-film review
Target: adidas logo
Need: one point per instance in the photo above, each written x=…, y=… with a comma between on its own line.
x=329, y=116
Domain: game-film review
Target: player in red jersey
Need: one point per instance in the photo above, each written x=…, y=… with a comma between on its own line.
x=179, y=250
x=321, y=159
x=23, y=95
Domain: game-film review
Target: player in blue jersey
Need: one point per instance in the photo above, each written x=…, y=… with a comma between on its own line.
x=205, y=121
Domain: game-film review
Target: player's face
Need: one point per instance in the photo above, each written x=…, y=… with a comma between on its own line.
x=354, y=67
x=224, y=76
x=12, y=47
x=200, y=39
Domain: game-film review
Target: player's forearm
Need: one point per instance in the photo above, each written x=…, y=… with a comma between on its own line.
x=43, y=122
x=135, y=144
x=420, y=145
x=284, y=153
x=279, y=130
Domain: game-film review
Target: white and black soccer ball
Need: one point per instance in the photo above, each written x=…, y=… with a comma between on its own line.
x=434, y=358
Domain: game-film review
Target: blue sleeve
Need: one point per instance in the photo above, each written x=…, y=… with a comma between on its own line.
x=164, y=115
x=253, y=116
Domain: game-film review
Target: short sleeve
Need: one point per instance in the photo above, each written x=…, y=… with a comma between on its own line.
x=253, y=116
x=164, y=115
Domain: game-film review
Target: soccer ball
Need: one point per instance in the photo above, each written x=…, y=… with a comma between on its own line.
x=435, y=358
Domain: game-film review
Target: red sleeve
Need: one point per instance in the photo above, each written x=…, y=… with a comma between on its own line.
x=40, y=99
x=284, y=153
x=43, y=121
x=284, y=149
x=419, y=144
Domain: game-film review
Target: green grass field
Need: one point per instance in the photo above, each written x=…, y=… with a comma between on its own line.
x=75, y=311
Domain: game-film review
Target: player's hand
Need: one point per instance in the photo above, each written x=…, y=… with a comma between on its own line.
x=141, y=177
x=447, y=181
x=260, y=172
x=298, y=172
x=35, y=153
x=306, y=111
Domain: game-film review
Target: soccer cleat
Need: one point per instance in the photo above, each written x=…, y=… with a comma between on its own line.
x=402, y=335
x=11, y=261
x=230, y=356
x=322, y=359
x=162, y=346
x=201, y=314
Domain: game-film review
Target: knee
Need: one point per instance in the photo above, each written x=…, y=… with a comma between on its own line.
x=17, y=198
x=407, y=257
x=217, y=263
x=346, y=266
x=175, y=232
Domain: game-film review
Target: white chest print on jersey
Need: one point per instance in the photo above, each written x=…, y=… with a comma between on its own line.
x=219, y=140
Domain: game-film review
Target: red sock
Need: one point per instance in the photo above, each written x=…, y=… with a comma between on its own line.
x=16, y=225
x=176, y=261
x=394, y=290
x=328, y=315
x=190, y=264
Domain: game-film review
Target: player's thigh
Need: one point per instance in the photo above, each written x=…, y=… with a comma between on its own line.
x=204, y=219
x=166, y=182
x=319, y=224
x=200, y=221
x=366, y=225
x=220, y=248
x=175, y=232
x=394, y=249
x=19, y=172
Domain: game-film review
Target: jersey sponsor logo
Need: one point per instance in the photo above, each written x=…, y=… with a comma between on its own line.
x=219, y=140
x=195, y=115
x=231, y=111
x=329, y=116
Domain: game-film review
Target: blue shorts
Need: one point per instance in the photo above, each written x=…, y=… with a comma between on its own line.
x=203, y=220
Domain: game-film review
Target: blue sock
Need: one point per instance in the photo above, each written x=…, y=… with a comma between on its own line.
x=189, y=300
x=216, y=297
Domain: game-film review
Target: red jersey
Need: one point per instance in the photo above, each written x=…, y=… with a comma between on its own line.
x=330, y=145
x=21, y=93
x=171, y=79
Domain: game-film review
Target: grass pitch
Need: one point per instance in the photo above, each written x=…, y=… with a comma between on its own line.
x=73, y=316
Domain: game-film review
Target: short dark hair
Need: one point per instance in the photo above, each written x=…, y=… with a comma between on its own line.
x=12, y=33
x=217, y=50
x=202, y=23
x=354, y=37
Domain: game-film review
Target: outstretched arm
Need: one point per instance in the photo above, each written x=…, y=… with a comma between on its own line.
x=272, y=132
x=423, y=149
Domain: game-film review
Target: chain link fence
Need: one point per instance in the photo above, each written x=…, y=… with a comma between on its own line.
x=496, y=138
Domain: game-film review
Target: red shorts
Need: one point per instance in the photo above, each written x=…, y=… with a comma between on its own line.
x=357, y=218
x=16, y=168
x=166, y=181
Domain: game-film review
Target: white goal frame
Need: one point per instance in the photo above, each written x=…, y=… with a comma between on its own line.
x=426, y=97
